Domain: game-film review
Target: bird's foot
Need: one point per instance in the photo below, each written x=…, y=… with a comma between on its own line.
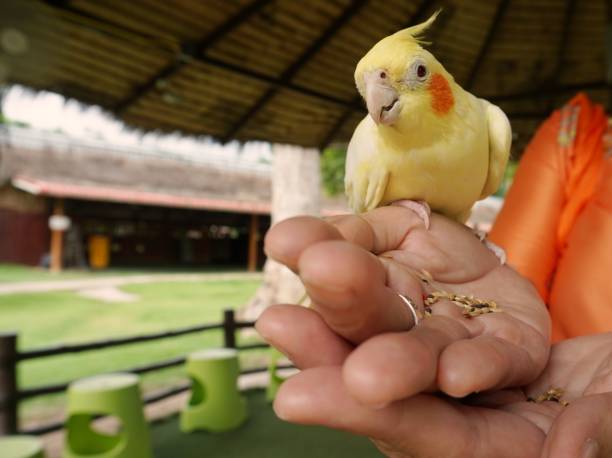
x=496, y=249
x=420, y=207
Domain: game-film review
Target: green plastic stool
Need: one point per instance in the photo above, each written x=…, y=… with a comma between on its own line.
x=215, y=404
x=21, y=447
x=275, y=380
x=117, y=395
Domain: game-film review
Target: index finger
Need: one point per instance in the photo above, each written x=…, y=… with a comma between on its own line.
x=448, y=250
x=286, y=241
x=378, y=231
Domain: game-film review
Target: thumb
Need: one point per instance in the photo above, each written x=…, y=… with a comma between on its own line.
x=422, y=425
x=583, y=430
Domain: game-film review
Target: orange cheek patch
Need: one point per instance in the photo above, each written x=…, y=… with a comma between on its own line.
x=442, y=99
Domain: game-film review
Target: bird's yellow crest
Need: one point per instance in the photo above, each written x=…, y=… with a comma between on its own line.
x=416, y=32
x=394, y=51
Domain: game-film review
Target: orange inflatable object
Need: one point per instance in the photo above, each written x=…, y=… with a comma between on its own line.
x=556, y=223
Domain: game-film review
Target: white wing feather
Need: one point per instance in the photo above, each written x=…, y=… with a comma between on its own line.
x=361, y=152
x=500, y=140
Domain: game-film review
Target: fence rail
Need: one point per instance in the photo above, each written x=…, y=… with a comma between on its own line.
x=11, y=395
x=64, y=349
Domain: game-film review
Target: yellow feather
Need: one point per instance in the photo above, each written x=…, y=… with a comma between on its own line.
x=416, y=32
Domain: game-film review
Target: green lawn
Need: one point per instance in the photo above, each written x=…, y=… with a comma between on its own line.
x=15, y=273
x=18, y=273
x=43, y=319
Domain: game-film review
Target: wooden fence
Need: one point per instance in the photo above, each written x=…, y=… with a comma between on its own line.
x=11, y=395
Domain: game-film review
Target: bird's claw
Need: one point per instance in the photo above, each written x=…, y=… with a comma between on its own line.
x=420, y=207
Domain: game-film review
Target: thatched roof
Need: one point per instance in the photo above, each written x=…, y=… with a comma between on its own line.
x=281, y=70
x=51, y=164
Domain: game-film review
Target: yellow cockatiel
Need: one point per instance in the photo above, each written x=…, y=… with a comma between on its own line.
x=425, y=138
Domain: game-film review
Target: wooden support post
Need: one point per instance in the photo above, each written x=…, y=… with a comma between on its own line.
x=229, y=329
x=253, y=243
x=8, y=384
x=57, y=240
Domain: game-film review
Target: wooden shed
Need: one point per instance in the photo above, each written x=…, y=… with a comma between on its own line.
x=153, y=210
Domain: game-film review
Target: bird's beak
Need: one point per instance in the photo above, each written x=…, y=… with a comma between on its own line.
x=382, y=99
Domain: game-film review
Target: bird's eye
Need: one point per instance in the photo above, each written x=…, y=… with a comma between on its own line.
x=417, y=73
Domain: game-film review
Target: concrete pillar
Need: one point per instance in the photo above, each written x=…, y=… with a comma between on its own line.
x=296, y=182
x=296, y=190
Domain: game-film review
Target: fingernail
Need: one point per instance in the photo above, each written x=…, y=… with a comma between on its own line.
x=590, y=449
x=260, y=331
x=280, y=412
x=270, y=341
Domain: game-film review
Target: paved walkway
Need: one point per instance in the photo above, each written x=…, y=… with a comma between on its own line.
x=113, y=282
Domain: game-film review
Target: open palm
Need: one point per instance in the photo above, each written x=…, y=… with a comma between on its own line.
x=499, y=424
x=354, y=266
x=414, y=390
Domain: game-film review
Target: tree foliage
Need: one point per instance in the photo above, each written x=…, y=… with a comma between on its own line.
x=333, y=162
x=508, y=178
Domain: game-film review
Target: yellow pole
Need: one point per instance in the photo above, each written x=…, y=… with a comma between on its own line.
x=57, y=240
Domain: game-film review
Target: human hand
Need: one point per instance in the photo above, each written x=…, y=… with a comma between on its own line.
x=499, y=424
x=582, y=367
x=354, y=296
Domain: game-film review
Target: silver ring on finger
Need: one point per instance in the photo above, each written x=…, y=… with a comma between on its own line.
x=412, y=307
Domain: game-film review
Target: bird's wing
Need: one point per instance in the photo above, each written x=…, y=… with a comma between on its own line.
x=365, y=180
x=500, y=139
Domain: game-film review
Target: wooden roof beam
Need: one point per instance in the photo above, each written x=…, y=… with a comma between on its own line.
x=353, y=8
x=338, y=125
x=273, y=81
x=89, y=20
x=527, y=115
x=555, y=75
x=548, y=92
x=191, y=50
x=486, y=44
x=114, y=30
